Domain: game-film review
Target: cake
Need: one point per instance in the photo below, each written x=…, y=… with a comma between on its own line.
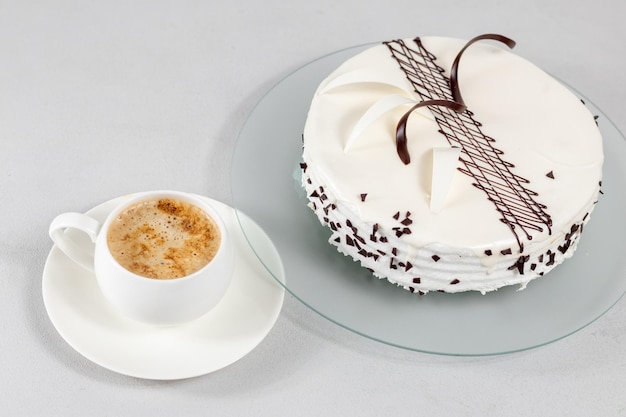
x=450, y=165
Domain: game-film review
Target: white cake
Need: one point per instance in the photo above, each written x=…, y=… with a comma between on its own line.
x=492, y=195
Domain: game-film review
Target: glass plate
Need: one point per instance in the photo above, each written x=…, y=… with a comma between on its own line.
x=266, y=186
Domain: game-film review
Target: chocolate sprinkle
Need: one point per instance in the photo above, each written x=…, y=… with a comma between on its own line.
x=519, y=264
x=454, y=281
x=392, y=265
x=436, y=258
x=550, y=174
x=506, y=251
x=417, y=280
x=488, y=252
x=363, y=195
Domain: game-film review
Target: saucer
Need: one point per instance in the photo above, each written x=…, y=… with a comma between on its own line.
x=242, y=319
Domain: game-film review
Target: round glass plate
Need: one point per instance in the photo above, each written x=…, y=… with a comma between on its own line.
x=266, y=186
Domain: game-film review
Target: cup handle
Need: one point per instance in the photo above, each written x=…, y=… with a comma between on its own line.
x=79, y=253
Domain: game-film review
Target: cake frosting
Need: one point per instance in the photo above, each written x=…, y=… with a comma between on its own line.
x=447, y=165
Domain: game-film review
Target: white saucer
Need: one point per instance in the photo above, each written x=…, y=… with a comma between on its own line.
x=224, y=335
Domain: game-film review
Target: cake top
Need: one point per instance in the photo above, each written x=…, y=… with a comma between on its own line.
x=523, y=158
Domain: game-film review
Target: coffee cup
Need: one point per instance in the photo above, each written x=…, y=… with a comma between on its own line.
x=161, y=257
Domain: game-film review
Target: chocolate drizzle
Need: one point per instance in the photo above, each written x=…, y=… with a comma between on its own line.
x=480, y=158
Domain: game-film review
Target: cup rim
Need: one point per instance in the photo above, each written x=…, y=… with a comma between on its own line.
x=185, y=196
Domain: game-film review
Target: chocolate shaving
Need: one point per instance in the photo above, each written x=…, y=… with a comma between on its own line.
x=550, y=175
x=363, y=195
x=401, y=139
x=519, y=264
x=454, y=281
x=454, y=83
x=436, y=258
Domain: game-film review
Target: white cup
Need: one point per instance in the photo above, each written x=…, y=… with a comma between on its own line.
x=152, y=301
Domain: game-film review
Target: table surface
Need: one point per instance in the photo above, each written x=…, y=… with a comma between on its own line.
x=99, y=99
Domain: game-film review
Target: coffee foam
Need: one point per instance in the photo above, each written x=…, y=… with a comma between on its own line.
x=163, y=238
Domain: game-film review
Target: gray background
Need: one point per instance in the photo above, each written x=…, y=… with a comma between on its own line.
x=99, y=99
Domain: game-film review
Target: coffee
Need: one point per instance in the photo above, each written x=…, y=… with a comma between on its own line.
x=163, y=238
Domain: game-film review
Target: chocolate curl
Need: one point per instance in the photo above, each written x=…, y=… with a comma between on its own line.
x=454, y=83
x=401, y=140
